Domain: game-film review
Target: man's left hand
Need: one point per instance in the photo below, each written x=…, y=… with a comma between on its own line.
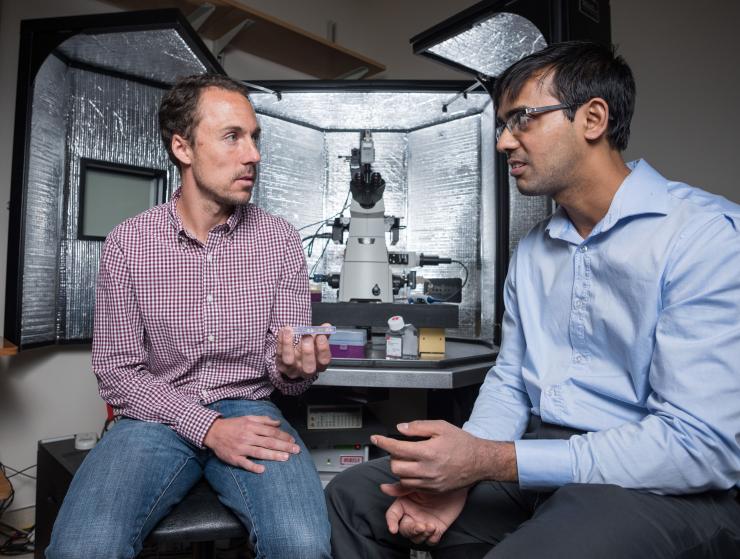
x=306, y=359
x=449, y=459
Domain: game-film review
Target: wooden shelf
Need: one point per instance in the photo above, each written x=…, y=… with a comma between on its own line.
x=8, y=348
x=269, y=38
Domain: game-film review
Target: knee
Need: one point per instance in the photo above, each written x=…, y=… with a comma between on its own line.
x=307, y=542
x=89, y=548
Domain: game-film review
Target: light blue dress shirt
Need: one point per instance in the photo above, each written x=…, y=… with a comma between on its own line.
x=633, y=335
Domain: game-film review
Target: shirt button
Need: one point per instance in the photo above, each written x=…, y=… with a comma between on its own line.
x=208, y=364
x=209, y=297
x=578, y=303
x=584, y=248
x=209, y=257
x=211, y=337
x=204, y=393
x=579, y=358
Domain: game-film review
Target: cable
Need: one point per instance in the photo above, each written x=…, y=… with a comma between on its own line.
x=464, y=283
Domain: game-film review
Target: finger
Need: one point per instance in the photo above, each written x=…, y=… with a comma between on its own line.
x=435, y=537
x=423, y=428
x=405, y=469
x=417, y=532
x=393, y=516
x=271, y=433
x=395, y=489
x=271, y=443
x=285, y=343
x=308, y=356
x=264, y=419
x=246, y=464
x=323, y=351
x=401, y=449
x=262, y=453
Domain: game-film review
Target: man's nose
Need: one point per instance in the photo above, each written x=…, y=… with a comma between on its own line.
x=506, y=141
x=251, y=153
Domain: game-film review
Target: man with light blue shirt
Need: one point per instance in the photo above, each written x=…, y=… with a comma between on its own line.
x=610, y=425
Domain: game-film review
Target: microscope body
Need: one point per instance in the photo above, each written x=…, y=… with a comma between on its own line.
x=366, y=274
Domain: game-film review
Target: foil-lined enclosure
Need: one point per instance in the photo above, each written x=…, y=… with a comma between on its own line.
x=492, y=45
x=159, y=55
x=431, y=161
x=76, y=114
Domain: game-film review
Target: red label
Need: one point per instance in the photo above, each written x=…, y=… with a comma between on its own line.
x=350, y=460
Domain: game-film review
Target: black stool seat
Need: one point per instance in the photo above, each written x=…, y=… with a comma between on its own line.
x=199, y=517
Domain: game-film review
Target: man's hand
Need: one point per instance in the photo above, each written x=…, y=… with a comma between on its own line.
x=235, y=440
x=422, y=517
x=310, y=357
x=449, y=459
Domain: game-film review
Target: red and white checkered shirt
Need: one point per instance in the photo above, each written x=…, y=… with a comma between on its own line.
x=180, y=324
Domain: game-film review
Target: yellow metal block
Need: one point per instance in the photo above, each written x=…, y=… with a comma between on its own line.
x=432, y=340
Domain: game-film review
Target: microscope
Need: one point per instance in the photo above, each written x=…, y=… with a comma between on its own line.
x=366, y=274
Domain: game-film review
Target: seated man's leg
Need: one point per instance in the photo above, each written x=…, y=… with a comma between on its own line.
x=357, y=513
x=126, y=485
x=283, y=508
x=608, y=522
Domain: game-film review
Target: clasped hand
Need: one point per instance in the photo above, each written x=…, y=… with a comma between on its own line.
x=310, y=356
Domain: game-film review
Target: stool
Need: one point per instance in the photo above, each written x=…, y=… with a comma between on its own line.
x=200, y=519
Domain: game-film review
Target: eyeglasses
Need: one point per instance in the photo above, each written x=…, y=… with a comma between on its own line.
x=519, y=120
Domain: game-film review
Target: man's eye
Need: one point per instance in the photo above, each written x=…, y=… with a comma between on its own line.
x=230, y=137
x=522, y=121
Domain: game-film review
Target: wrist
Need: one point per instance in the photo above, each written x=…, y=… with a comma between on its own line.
x=496, y=461
x=211, y=433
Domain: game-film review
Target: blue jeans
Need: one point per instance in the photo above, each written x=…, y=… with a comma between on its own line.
x=139, y=471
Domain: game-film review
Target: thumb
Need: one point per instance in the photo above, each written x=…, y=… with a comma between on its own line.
x=395, y=489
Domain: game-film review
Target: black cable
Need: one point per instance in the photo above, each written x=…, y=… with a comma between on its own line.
x=464, y=283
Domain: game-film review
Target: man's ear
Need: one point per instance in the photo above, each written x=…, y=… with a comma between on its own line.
x=596, y=114
x=181, y=149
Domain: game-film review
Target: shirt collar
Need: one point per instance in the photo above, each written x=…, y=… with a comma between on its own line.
x=643, y=192
x=236, y=217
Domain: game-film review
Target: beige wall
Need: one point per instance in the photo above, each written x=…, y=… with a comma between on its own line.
x=687, y=114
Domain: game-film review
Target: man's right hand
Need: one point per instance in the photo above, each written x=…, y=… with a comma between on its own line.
x=422, y=517
x=236, y=439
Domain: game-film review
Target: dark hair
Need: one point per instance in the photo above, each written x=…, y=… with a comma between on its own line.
x=580, y=71
x=178, y=111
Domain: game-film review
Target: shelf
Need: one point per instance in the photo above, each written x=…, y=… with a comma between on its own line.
x=269, y=38
x=8, y=348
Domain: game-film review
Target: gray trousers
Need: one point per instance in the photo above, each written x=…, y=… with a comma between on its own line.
x=502, y=521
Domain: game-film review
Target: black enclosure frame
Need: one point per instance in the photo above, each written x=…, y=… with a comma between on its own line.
x=39, y=39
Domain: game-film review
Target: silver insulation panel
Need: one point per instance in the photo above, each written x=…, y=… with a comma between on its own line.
x=76, y=114
x=375, y=110
x=43, y=212
x=492, y=45
x=160, y=54
x=113, y=120
x=444, y=206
